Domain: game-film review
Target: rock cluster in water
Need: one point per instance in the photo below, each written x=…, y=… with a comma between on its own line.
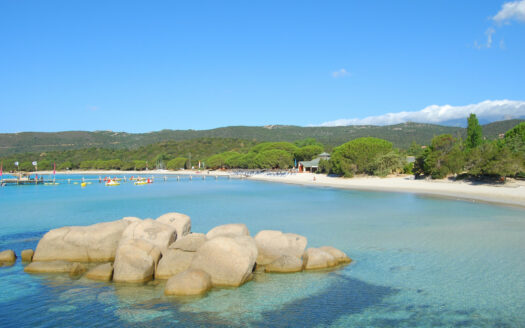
x=132, y=250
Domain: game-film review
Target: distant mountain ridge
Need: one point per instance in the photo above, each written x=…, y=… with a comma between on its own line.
x=401, y=135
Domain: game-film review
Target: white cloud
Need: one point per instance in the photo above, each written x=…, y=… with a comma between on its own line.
x=489, y=32
x=514, y=10
x=340, y=73
x=491, y=110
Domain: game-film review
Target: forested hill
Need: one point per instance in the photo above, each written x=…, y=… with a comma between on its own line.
x=401, y=135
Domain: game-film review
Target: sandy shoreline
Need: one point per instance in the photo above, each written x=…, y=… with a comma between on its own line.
x=508, y=194
x=512, y=193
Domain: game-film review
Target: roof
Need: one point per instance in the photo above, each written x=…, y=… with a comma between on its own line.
x=312, y=163
x=324, y=155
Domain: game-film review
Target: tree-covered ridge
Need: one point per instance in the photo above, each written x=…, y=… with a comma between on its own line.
x=446, y=155
x=401, y=135
x=151, y=156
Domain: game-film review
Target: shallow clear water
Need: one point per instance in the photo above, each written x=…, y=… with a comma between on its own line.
x=419, y=261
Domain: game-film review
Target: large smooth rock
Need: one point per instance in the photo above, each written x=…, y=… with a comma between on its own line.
x=273, y=244
x=102, y=272
x=230, y=230
x=135, y=261
x=94, y=243
x=285, y=264
x=27, y=255
x=228, y=260
x=131, y=219
x=314, y=258
x=188, y=283
x=157, y=233
x=339, y=255
x=7, y=256
x=189, y=243
x=49, y=267
x=181, y=222
x=172, y=262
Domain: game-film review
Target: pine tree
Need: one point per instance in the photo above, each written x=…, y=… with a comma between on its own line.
x=474, y=134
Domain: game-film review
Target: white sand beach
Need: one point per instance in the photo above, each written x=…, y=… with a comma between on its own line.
x=510, y=193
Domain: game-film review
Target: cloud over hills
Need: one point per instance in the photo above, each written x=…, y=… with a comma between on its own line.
x=488, y=110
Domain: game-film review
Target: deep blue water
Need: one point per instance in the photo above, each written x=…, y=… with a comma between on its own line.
x=419, y=261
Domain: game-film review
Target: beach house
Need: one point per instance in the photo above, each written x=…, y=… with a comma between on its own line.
x=313, y=165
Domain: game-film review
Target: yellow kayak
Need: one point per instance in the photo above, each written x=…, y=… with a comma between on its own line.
x=141, y=183
x=112, y=183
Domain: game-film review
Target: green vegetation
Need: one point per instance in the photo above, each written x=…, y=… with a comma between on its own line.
x=164, y=153
x=447, y=154
x=365, y=156
x=401, y=135
x=177, y=164
x=474, y=134
x=443, y=157
x=475, y=157
x=266, y=155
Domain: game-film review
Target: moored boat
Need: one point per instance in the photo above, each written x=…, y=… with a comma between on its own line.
x=112, y=183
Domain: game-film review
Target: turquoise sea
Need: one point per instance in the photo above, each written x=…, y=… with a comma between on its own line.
x=418, y=261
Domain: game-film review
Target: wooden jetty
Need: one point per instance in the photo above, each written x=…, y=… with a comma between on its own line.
x=24, y=179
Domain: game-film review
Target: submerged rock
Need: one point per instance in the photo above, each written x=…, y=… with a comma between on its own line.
x=94, y=243
x=189, y=243
x=7, y=257
x=339, y=255
x=181, y=222
x=285, y=264
x=27, y=255
x=77, y=269
x=188, y=283
x=172, y=262
x=228, y=260
x=102, y=272
x=230, y=230
x=135, y=261
x=314, y=258
x=49, y=267
x=273, y=244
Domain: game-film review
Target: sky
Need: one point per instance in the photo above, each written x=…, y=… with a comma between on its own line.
x=140, y=66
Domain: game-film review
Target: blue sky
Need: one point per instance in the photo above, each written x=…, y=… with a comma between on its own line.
x=141, y=66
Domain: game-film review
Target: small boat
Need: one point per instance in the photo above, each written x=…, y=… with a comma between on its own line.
x=112, y=183
x=51, y=184
x=143, y=181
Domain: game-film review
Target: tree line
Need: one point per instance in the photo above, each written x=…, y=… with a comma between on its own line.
x=475, y=156
x=446, y=155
